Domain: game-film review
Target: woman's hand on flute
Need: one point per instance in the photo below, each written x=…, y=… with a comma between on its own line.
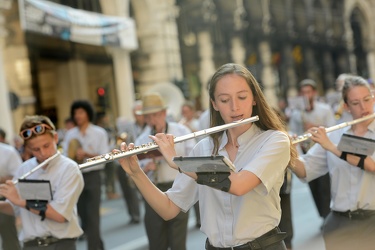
x=319, y=135
x=129, y=164
x=166, y=147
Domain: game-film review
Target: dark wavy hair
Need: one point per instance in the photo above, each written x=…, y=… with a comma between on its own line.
x=84, y=104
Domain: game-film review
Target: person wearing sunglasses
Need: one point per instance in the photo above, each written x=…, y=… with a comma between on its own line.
x=54, y=225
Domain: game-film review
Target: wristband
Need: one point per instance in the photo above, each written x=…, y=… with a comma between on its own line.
x=42, y=214
x=343, y=155
x=361, y=163
x=179, y=170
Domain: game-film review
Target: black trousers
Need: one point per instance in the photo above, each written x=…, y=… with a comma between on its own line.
x=8, y=232
x=89, y=209
x=321, y=192
x=286, y=223
x=342, y=233
x=130, y=194
x=63, y=245
x=163, y=235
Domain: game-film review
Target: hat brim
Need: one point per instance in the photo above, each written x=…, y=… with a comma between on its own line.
x=150, y=110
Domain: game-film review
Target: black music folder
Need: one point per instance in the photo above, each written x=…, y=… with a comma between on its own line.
x=356, y=145
x=217, y=163
x=35, y=190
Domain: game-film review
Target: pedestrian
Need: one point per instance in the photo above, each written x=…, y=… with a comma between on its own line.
x=351, y=221
x=53, y=225
x=246, y=213
x=189, y=120
x=9, y=164
x=171, y=234
x=314, y=114
x=87, y=140
x=131, y=130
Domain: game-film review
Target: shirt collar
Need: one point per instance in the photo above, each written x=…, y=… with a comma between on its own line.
x=242, y=139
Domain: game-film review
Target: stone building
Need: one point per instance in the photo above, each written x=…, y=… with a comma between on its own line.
x=180, y=43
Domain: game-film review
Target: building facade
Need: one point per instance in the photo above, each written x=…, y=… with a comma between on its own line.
x=181, y=43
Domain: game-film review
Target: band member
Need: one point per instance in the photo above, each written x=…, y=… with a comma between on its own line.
x=162, y=235
x=10, y=161
x=131, y=131
x=315, y=114
x=54, y=225
x=351, y=222
x=92, y=140
x=242, y=210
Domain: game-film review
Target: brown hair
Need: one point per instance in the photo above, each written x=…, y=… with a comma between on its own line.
x=268, y=119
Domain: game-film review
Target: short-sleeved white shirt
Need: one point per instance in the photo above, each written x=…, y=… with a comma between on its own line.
x=351, y=187
x=230, y=220
x=94, y=141
x=10, y=160
x=66, y=184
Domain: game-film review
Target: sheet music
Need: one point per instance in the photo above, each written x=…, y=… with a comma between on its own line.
x=35, y=190
x=217, y=163
x=356, y=145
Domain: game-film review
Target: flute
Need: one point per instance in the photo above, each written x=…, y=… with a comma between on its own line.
x=336, y=127
x=37, y=167
x=144, y=148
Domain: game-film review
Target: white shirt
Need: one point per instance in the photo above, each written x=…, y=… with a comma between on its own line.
x=94, y=141
x=164, y=172
x=66, y=184
x=10, y=160
x=322, y=115
x=230, y=220
x=351, y=187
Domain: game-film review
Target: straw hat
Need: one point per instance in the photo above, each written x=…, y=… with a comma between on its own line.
x=151, y=103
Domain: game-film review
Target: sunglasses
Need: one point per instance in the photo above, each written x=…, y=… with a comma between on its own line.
x=37, y=130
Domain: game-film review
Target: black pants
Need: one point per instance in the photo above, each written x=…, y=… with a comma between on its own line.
x=342, y=233
x=89, y=209
x=109, y=177
x=130, y=194
x=321, y=192
x=286, y=224
x=163, y=235
x=63, y=245
x=8, y=232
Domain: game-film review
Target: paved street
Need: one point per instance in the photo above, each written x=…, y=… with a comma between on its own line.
x=118, y=235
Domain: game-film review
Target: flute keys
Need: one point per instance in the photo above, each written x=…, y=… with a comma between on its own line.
x=107, y=157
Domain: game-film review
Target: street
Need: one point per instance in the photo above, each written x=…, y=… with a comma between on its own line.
x=119, y=235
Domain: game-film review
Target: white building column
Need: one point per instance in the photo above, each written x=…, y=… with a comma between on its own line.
x=267, y=75
x=121, y=62
x=371, y=63
x=206, y=65
x=238, y=51
x=6, y=121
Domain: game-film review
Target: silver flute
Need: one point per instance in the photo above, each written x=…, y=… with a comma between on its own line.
x=37, y=167
x=144, y=148
x=306, y=136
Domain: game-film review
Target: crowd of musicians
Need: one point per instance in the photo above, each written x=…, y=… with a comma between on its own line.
x=49, y=202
